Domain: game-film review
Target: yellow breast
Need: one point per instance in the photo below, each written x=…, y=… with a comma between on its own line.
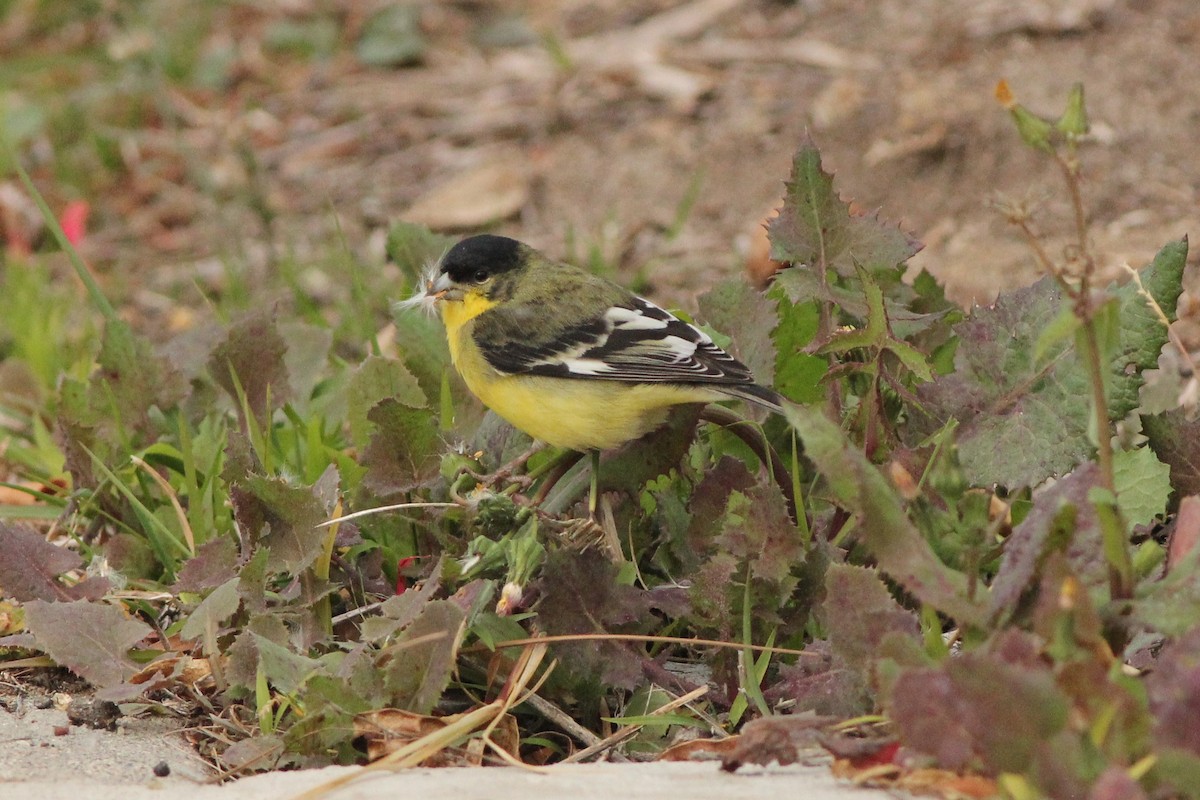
x=578, y=413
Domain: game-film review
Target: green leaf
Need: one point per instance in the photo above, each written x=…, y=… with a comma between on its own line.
x=797, y=373
x=413, y=247
x=1061, y=329
x=287, y=671
x=220, y=605
x=419, y=665
x=816, y=228
x=1143, y=485
x=376, y=379
x=392, y=37
x=1074, y=119
x=757, y=528
x=405, y=450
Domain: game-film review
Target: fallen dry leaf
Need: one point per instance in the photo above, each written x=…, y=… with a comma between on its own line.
x=480, y=196
x=936, y=782
x=759, y=264
x=701, y=749
x=780, y=739
x=387, y=730
x=180, y=668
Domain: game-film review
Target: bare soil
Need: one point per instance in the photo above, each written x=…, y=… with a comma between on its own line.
x=588, y=124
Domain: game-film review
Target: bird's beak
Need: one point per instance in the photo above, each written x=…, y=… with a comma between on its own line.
x=434, y=288
x=442, y=288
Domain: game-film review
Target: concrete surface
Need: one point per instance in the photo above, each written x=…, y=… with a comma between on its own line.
x=38, y=763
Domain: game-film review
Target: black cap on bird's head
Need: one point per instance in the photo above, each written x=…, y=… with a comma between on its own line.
x=477, y=258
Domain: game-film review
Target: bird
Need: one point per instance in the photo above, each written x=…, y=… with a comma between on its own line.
x=570, y=358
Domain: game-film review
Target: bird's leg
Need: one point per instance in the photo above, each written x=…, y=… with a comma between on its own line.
x=518, y=462
x=505, y=471
x=594, y=491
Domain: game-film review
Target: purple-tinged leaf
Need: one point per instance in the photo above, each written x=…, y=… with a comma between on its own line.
x=859, y=612
x=1176, y=441
x=1116, y=784
x=133, y=378
x=1173, y=687
x=404, y=452
x=1063, y=519
x=817, y=228
x=580, y=595
x=252, y=358
x=90, y=639
x=1004, y=397
x=757, y=528
x=738, y=310
x=821, y=683
x=214, y=563
x=290, y=515
x=30, y=566
x=995, y=706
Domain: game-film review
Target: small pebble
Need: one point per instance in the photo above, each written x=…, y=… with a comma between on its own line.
x=162, y=769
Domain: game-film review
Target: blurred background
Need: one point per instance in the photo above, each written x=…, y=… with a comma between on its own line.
x=209, y=144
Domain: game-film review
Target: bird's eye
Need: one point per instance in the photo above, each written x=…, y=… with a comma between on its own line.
x=480, y=276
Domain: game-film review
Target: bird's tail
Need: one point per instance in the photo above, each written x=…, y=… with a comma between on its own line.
x=759, y=395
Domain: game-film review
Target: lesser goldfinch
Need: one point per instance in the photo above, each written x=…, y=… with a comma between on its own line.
x=568, y=357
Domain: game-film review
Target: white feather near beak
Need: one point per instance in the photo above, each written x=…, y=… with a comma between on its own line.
x=430, y=290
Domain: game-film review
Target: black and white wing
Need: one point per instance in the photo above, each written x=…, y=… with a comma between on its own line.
x=636, y=342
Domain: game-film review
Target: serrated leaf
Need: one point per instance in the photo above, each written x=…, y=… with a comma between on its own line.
x=289, y=515
x=420, y=663
x=580, y=595
x=134, y=377
x=1062, y=518
x=859, y=612
x=405, y=450
x=252, y=357
x=995, y=706
x=376, y=379
x=1143, y=485
x=214, y=563
x=757, y=528
x=1003, y=397
x=816, y=228
x=90, y=639
x=287, y=671
x=30, y=566
x=1176, y=441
